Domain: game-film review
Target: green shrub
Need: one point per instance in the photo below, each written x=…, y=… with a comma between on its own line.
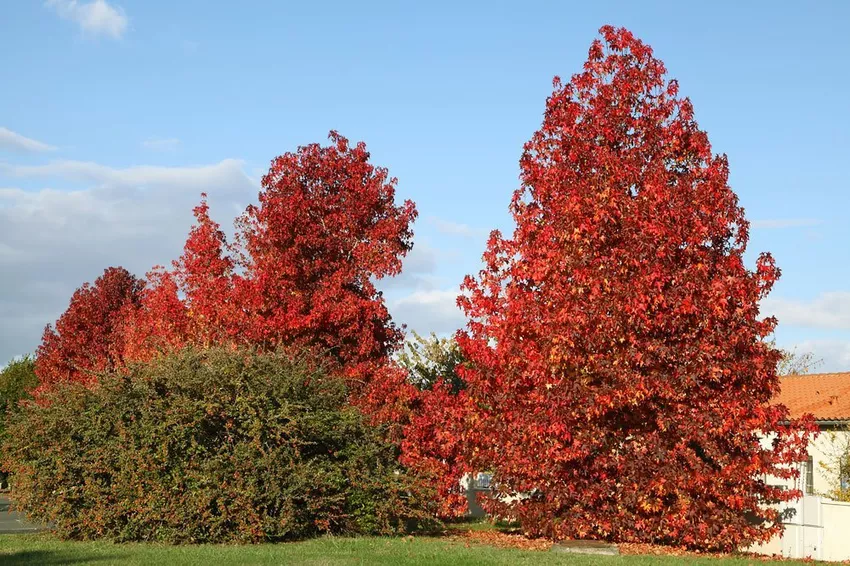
x=214, y=446
x=17, y=379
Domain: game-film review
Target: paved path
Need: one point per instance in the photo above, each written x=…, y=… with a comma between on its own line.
x=12, y=521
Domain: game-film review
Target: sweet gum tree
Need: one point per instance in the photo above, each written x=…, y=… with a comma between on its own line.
x=160, y=322
x=435, y=431
x=619, y=371
x=193, y=303
x=435, y=439
x=89, y=337
x=205, y=276
x=326, y=227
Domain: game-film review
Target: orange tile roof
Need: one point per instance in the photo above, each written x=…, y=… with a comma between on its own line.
x=825, y=395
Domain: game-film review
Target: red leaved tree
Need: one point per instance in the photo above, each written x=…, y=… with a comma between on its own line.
x=89, y=337
x=205, y=276
x=325, y=229
x=435, y=434
x=193, y=303
x=620, y=373
x=160, y=323
x=434, y=443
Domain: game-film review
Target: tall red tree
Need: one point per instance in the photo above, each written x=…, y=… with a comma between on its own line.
x=325, y=229
x=194, y=303
x=621, y=376
x=89, y=337
x=205, y=276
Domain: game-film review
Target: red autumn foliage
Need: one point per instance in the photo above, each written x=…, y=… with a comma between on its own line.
x=326, y=227
x=90, y=336
x=501, y=539
x=192, y=304
x=434, y=443
x=160, y=323
x=205, y=276
x=506, y=538
x=619, y=370
x=618, y=381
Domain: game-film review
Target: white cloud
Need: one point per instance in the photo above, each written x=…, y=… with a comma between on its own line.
x=161, y=144
x=834, y=355
x=830, y=310
x=96, y=17
x=55, y=240
x=785, y=223
x=429, y=311
x=418, y=271
x=14, y=141
x=137, y=176
x=456, y=229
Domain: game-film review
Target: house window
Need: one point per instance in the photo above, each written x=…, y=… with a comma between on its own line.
x=844, y=476
x=810, y=476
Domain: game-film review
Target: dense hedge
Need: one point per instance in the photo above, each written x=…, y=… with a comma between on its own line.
x=212, y=446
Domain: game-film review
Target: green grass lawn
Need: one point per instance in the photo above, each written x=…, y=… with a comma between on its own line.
x=46, y=550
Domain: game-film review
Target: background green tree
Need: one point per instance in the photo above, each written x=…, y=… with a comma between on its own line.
x=17, y=379
x=793, y=362
x=429, y=359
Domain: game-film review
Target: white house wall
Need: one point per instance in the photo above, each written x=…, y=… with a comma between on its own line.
x=821, y=449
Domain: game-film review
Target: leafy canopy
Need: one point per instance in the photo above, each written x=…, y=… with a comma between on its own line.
x=619, y=371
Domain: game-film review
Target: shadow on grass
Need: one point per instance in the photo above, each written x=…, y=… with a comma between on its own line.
x=49, y=558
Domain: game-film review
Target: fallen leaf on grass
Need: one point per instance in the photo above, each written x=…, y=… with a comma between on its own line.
x=503, y=540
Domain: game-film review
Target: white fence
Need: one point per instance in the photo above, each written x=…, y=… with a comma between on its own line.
x=819, y=528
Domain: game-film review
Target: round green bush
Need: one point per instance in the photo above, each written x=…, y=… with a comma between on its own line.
x=212, y=446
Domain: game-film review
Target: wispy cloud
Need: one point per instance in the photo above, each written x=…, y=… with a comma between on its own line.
x=785, y=223
x=418, y=271
x=161, y=144
x=96, y=17
x=53, y=240
x=830, y=310
x=429, y=311
x=136, y=176
x=455, y=228
x=14, y=141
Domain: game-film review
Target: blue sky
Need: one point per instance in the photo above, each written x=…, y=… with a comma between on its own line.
x=115, y=115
